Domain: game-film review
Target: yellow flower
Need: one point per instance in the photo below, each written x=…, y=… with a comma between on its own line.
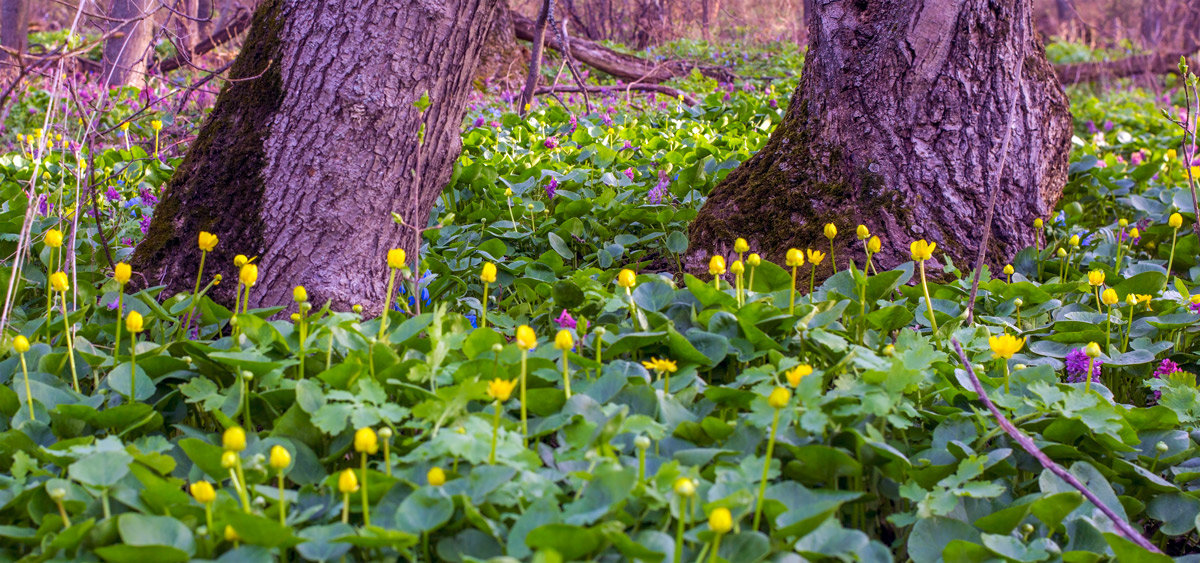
x=500, y=389
x=248, y=275
x=779, y=398
x=1143, y=298
x=1095, y=278
x=720, y=521
x=1175, y=221
x=436, y=477
x=922, y=250
x=229, y=459
x=814, y=256
x=830, y=231
x=626, y=278
x=21, y=344
x=740, y=245
x=1008, y=269
x=1133, y=233
x=231, y=534
x=1171, y=154
x=1109, y=297
x=234, y=439
x=347, y=482
x=795, y=258
x=797, y=373
x=716, y=265
x=240, y=260
x=395, y=258
x=1061, y=253
x=661, y=365
x=1074, y=240
x=754, y=260
x=133, y=322
x=122, y=272
x=365, y=440
x=202, y=491
x=526, y=339
x=299, y=294
x=54, y=238
x=1123, y=222
x=488, y=275
x=684, y=487
x=1005, y=345
x=1092, y=350
x=862, y=232
x=737, y=267
x=563, y=340
x=208, y=241
x=874, y=245
x=280, y=458
x=156, y=125
x=59, y=283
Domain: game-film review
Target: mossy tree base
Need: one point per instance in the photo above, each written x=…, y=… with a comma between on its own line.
x=315, y=143
x=898, y=124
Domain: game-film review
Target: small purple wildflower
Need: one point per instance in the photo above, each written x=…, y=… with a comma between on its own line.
x=1091, y=127
x=551, y=142
x=145, y=224
x=551, y=188
x=1195, y=307
x=1077, y=366
x=627, y=146
x=629, y=173
x=565, y=320
x=1108, y=125
x=1166, y=368
x=112, y=194
x=479, y=121
x=774, y=103
x=658, y=192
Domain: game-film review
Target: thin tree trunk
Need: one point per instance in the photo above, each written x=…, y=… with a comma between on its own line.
x=206, y=13
x=896, y=124
x=125, y=55
x=187, y=27
x=14, y=35
x=535, y=60
x=303, y=161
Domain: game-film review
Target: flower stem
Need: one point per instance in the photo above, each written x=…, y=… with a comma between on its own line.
x=1087, y=386
x=762, y=486
x=387, y=303
x=683, y=506
x=483, y=307
x=495, y=433
x=812, y=279
x=239, y=481
x=187, y=319
x=133, y=369
x=366, y=507
x=345, y=508
x=1108, y=328
x=1128, y=330
x=120, y=310
x=524, y=420
x=832, y=257
x=566, y=375
x=28, y=394
x=716, y=546
x=70, y=344
x=792, y=304
x=1005, y=362
x=1171, y=260
x=928, y=301
x=282, y=502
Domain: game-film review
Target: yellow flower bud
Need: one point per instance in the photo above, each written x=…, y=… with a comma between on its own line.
x=436, y=477
x=563, y=340
x=240, y=260
x=1061, y=253
x=231, y=534
x=1171, y=154
x=234, y=439
x=794, y=258
x=488, y=275
x=1109, y=297
x=797, y=373
x=21, y=344
x=526, y=339
x=685, y=487
x=347, y=482
x=500, y=389
x=1073, y=241
x=1175, y=221
x=54, y=238
x=229, y=459
x=1123, y=222
x=133, y=322
x=754, y=260
x=740, y=245
x=874, y=245
x=720, y=521
x=779, y=398
x=202, y=491
x=395, y=258
x=208, y=242
x=1095, y=278
x=1038, y=223
x=830, y=231
x=280, y=458
x=248, y=275
x=737, y=267
x=1008, y=269
x=156, y=125
x=626, y=278
x=862, y=232
x=365, y=440
x=59, y=283
x=1133, y=233
x=122, y=272
x=299, y=294
x=716, y=265
x=1092, y=350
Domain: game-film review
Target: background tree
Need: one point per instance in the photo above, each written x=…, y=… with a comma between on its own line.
x=127, y=53
x=315, y=143
x=898, y=124
x=14, y=33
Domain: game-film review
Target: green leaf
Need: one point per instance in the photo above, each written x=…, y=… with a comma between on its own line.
x=142, y=530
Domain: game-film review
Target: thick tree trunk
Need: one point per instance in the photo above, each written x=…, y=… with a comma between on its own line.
x=14, y=35
x=503, y=58
x=126, y=54
x=898, y=124
x=303, y=161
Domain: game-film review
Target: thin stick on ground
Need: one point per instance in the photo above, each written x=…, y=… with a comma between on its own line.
x=1027, y=444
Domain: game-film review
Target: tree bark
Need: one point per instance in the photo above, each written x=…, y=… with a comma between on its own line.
x=535, y=60
x=126, y=54
x=314, y=144
x=14, y=35
x=503, y=58
x=897, y=124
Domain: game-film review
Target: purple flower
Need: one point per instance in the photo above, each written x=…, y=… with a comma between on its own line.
x=479, y=121
x=1108, y=125
x=627, y=146
x=149, y=198
x=1091, y=127
x=551, y=188
x=629, y=173
x=145, y=224
x=1077, y=366
x=1167, y=367
x=565, y=320
x=1195, y=307
x=658, y=192
x=550, y=142
x=112, y=194
x=774, y=103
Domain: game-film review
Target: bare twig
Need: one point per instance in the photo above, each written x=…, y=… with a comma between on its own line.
x=1027, y=444
x=689, y=100
x=535, y=59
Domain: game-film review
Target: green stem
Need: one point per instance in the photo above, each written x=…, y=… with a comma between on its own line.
x=683, y=506
x=70, y=344
x=120, y=312
x=133, y=370
x=387, y=303
x=1171, y=260
x=641, y=466
x=483, y=307
x=716, y=546
x=495, y=433
x=1108, y=328
x=246, y=402
x=812, y=279
x=832, y=257
x=750, y=281
x=282, y=502
x=239, y=481
x=1087, y=386
x=345, y=508
x=566, y=375
x=1128, y=330
x=366, y=507
x=387, y=456
x=524, y=402
x=28, y=394
x=928, y=301
x=1005, y=362
x=195, y=295
x=792, y=304
x=762, y=486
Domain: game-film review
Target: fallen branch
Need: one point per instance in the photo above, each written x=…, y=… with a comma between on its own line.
x=1027, y=444
x=687, y=99
x=1122, y=68
x=620, y=65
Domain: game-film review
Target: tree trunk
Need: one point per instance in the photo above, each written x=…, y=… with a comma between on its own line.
x=14, y=35
x=303, y=160
x=206, y=12
x=535, y=60
x=187, y=26
x=897, y=124
x=503, y=58
x=126, y=54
